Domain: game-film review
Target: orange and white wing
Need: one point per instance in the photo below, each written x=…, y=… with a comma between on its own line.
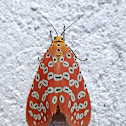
x=74, y=101
x=42, y=100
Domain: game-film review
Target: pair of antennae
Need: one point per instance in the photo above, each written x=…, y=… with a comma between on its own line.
x=66, y=27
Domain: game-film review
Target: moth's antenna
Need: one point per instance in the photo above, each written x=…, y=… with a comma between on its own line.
x=72, y=23
x=49, y=23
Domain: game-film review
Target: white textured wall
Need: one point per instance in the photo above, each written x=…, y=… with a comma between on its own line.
x=100, y=36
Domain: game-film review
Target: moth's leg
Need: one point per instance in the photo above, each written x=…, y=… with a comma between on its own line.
x=76, y=56
x=40, y=59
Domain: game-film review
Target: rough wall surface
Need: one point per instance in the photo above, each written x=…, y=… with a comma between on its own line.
x=99, y=36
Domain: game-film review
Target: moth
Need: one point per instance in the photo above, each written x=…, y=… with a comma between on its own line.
x=58, y=83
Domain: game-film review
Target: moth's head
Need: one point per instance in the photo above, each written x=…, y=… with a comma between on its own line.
x=58, y=39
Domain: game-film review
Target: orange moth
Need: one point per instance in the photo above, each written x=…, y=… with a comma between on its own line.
x=58, y=83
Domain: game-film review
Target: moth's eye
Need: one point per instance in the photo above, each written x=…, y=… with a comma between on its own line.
x=61, y=38
x=54, y=37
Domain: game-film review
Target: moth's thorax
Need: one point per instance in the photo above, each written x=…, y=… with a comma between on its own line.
x=58, y=47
